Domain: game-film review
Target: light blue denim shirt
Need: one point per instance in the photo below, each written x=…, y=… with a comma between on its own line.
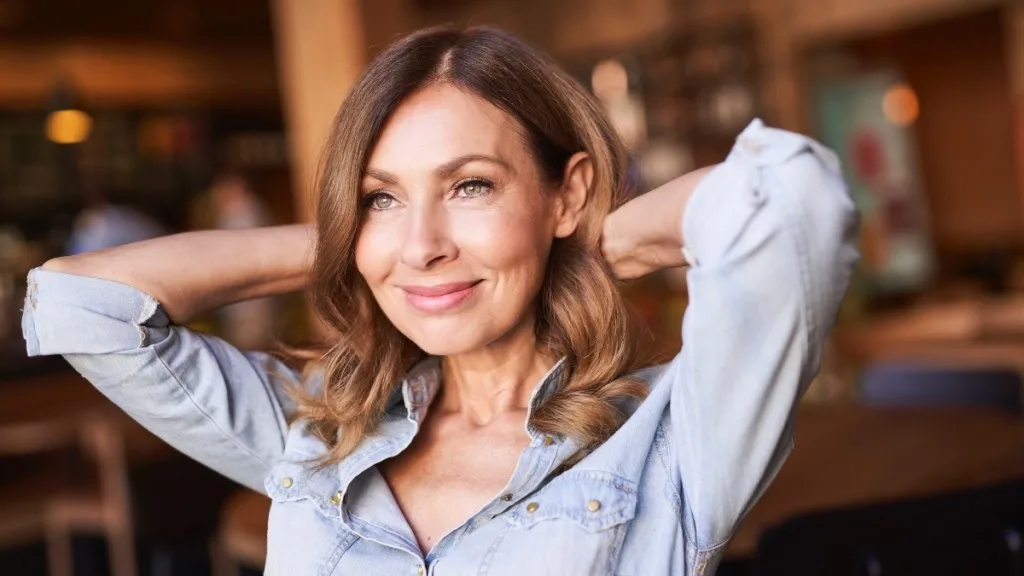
x=770, y=237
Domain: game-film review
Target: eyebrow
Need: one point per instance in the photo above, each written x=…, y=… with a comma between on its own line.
x=444, y=170
x=451, y=166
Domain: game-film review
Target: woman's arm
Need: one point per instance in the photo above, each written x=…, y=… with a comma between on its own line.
x=111, y=315
x=195, y=272
x=646, y=234
x=770, y=238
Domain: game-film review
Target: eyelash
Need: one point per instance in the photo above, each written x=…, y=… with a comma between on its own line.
x=370, y=198
x=482, y=182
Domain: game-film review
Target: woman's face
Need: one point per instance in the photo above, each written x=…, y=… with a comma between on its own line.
x=458, y=222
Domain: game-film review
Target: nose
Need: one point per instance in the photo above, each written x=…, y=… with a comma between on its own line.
x=427, y=241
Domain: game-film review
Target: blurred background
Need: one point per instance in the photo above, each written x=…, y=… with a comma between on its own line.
x=122, y=120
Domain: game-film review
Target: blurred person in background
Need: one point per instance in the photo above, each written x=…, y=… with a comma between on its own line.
x=481, y=405
x=233, y=205
x=105, y=223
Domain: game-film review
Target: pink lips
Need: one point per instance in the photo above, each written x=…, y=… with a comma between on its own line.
x=439, y=298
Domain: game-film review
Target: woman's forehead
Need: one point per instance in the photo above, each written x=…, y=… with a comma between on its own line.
x=442, y=122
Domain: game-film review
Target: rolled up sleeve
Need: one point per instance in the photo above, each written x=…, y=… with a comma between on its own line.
x=770, y=236
x=218, y=405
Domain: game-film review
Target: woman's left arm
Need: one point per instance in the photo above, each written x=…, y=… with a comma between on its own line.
x=769, y=236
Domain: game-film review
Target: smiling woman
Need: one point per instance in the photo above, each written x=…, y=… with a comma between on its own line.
x=480, y=405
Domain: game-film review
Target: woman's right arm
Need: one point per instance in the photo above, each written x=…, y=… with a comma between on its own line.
x=113, y=315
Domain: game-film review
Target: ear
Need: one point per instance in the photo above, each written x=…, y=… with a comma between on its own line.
x=575, y=189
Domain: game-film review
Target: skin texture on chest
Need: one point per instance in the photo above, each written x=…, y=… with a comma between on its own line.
x=452, y=470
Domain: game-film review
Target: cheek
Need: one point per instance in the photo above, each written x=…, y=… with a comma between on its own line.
x=511, y=243
x=374, y=253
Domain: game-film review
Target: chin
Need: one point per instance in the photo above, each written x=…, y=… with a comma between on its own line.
x=446, y=337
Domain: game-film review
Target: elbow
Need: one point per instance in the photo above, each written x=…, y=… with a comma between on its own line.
x=60, y=264
x=71, y=314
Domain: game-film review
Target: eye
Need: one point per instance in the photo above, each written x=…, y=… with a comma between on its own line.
x=379, y=201
x=473, y=187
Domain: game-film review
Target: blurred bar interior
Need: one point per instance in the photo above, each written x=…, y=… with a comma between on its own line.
x=122, y=119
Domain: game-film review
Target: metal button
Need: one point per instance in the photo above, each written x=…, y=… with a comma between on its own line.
x=750, y=144
x=420, y=571
x=532, y=507
x=507, y=497
x=287, y=482
x=548, y=441
x=336, y=499
x=594, y=505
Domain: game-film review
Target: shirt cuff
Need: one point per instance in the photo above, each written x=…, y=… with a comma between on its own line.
x=71, y=314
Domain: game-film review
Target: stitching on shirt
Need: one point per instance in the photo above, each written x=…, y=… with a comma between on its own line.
x=485, y=564
x=800, y=244
x=206, y=415
x=660, y=449
x=345, y=542
x=384, y=529
x=616, y=481
x=715, y=548
x=616, y=547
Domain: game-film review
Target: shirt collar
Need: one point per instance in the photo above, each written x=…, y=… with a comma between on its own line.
x=420, y=386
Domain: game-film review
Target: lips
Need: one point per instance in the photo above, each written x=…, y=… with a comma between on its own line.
x=440, y=297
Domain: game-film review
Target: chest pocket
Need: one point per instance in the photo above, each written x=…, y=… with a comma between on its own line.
x=574, y=525
x=305, y=536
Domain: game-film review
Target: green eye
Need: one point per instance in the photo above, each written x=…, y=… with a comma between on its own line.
x=379, y=201
x=473, y=188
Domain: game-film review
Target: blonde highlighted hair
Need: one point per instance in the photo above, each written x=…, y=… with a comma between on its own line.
x=581, y=315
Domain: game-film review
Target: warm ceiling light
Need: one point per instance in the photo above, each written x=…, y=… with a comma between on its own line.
x=68, y=126
x=900, y=105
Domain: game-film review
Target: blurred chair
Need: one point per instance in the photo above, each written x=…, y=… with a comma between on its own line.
x=908, y=385
x=24, y=497
x=241, y=540
x=52, y=506
x=973, y=532
x=105, y=510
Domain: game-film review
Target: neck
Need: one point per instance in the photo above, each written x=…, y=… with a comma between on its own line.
x=484, y=384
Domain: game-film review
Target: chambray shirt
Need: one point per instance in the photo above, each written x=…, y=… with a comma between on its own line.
x=769, y=237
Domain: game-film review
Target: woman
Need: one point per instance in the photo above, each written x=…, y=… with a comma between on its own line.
x=479, y=409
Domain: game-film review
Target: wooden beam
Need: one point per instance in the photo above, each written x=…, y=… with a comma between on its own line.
x=130, y=74
x=321, y=51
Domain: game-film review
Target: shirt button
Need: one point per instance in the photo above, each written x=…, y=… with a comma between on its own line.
x=507, y=497
x=532, y=507
x=336, y=499
x=750, y=144
x=287, y=482
x=548, y=441
x=420, y=571
x=594, y=505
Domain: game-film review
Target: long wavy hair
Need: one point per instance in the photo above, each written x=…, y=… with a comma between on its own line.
x=581, y=315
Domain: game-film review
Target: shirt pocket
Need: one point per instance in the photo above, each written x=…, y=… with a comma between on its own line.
x=305, y=535
x=573, y=526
